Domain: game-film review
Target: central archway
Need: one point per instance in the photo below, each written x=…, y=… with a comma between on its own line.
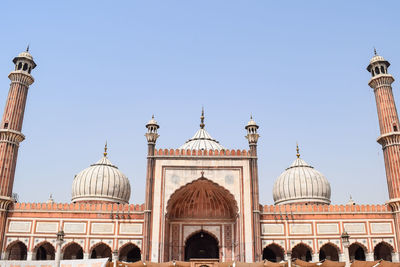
x=201, y=246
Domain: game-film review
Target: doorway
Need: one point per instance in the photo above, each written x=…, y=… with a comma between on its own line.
x=201, y=246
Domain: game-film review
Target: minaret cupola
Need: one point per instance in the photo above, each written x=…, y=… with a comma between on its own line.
x=252, y=135
x=152, y=128
x=24, y=62
x=378, y=65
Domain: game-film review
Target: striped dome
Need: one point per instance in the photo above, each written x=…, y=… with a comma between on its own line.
x=102, y=181
x=202, y=140
x=301, y=183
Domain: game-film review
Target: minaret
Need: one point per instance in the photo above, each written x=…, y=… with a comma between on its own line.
x=381, y=82
x=252, y=136
x=151, y=137
x=10, y=129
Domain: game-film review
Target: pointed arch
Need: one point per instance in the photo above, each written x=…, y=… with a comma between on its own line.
x=72, y=251
x=357, y=251
x=329, y=251
x=44, y=251
x=201, y=244
x=273, y=252
x=302, y=251
x=129, y=252
x=202, y=198
x=16, y=250
x=383, y=251
x=100, y=250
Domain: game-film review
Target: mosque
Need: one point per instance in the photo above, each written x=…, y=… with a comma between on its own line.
x=202, y=200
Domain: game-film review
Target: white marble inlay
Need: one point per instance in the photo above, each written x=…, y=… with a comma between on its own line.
x=21, y=227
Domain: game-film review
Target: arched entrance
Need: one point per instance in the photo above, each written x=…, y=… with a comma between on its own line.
x=16, y=251
x=273, y=253
x=302, y=252
x=192, y=209
x=129, y=253
x=329, y=252
x=356, y=252
x=101, y=251
x=383, y=251
x=45, y=251
x=201, y=246
x=73, y=251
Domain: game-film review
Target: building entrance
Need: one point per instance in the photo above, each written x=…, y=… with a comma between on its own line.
x=201, y=246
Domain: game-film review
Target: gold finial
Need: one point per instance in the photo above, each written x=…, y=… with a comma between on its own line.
x=27, y=48
x=375, y=51
x=105, y=150
x=298, y=150
x=202, y=118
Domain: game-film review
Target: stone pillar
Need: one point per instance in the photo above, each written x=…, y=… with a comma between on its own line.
x=289, y=258
x=369, y=256
x=315, y=257
x=395, y=257
x=115, y=257
x=85, y=256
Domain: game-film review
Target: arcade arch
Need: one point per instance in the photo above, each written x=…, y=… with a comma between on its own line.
x=357, y=252
x=129, y=253
x=329, y=251
x=302, y=251
x=16, y=251
x=273, y=252
x=383, y=251
x=44, y=251
x=72, y=251
x=100, y=250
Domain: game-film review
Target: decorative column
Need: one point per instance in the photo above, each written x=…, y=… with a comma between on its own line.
x=315, y=257
x=59, y=242
x=252, y=137
x=289, y=258
x=151, y=137
x=10, y=130
x=381, y=83
x=115, y=257
x=346, y=243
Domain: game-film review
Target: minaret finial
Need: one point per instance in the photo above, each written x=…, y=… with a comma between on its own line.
x=105, y=150
x=375, y=51
x=298, y=150
x=251, y=116
x=27, y=48
x=202, y=118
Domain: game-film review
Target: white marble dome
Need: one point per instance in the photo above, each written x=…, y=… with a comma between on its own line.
x=100, y=182
x=301, y=183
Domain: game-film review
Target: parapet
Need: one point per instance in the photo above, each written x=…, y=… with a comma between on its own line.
x=77, y=207
x=315, y=208
x=196, y=153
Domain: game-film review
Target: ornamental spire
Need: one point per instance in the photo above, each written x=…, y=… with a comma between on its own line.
x=375, y=51
x=298, y=150
x=202, y=118
x=105, y=150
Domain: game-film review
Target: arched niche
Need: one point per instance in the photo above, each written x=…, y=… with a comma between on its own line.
x=16, y=251
x=44, y=251
x=357, y=252
x=73, y=251
x=302, y=251
x=100, y=250
x=383, y=251
x=201, y=245
x=329, y=251
x=202, y=199
x=274, y=253
x=129, y=253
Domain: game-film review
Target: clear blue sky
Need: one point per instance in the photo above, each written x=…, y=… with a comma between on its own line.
x=104, y=67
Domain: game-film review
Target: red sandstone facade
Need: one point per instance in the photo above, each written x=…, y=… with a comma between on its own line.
x=198, y=203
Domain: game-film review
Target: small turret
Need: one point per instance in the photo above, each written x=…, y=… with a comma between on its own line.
x=152, y=128
x=252, y=135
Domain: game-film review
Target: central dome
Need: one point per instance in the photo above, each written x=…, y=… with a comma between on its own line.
x=301, y=183
x=202, y=140
x=100, y=182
